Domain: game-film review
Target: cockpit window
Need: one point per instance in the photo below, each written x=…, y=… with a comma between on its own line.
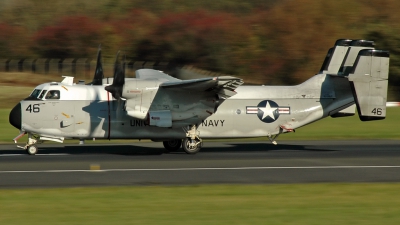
x=53, y=94
x=36, y=93
x=42, y=94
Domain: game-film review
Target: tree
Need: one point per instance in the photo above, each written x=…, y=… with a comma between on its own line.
x=72, y=36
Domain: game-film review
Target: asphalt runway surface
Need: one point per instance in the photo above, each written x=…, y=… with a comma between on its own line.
x=66, y=165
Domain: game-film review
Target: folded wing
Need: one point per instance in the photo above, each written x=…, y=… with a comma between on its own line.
x=174, y=102
x=224, y=86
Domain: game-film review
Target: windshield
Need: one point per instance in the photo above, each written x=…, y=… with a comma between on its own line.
x=35, y=93
x=42, y=94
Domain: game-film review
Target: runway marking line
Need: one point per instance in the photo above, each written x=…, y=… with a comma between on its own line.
x=50, y=154
x=199, y=169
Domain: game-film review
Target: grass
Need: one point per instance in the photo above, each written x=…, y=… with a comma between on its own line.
x=350, y=128
x=212, y=204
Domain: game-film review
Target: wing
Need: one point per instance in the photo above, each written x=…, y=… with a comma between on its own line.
x=224, y=86
x=153, y=74
x=173, y=102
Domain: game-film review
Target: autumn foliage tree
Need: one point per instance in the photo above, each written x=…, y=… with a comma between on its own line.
x=264, y=42
x=14, y=41
x=72, y=36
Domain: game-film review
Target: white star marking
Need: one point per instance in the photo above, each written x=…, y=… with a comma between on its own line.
x=268, y=111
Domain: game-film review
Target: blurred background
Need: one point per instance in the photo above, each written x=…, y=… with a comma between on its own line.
x=262, y=41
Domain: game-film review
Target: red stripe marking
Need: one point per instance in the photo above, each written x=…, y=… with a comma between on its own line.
x=109, y=115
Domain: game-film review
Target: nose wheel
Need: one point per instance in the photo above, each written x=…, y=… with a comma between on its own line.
x=32, y=149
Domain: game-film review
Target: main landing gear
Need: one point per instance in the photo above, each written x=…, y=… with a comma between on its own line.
x=172, y=145
x=191, y=144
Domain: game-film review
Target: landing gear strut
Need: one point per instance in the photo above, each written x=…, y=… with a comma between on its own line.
x=192, y=143
x=272, y=138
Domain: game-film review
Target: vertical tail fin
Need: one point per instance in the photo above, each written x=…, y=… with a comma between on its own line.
x=340, y=58
x=369, y=83
x=335, y=56
x=355, y=47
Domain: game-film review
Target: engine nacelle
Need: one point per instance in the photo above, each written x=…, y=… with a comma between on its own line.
x=136, y=109
x=139, y=95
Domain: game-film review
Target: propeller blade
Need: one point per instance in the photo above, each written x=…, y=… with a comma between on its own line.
x=119, y=79
x=123, y=65
x=98, y=73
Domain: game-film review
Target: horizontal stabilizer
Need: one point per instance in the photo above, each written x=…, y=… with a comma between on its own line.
x=369, y=82
x=349, y=111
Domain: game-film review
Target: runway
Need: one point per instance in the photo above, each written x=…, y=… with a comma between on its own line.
x=60, y=165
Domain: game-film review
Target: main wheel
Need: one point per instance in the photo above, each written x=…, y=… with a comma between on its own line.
x=172, y=145
x=191, y=147
x=32, y=150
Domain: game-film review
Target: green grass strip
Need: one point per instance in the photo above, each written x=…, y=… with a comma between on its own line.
x=360, y=203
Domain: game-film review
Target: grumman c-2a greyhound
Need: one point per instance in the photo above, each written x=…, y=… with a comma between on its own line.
x=179, y=113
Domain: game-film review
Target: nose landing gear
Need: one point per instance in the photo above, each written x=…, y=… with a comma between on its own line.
x=30, y=146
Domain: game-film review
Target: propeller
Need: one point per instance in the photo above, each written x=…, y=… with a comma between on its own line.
x=98, y=73
x=119, y=79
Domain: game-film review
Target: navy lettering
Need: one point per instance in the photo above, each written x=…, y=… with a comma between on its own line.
x=212, y=123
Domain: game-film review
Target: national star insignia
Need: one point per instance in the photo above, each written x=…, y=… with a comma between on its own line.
x=268, y=111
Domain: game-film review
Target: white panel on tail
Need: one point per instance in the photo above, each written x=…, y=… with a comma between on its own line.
x=369, y=81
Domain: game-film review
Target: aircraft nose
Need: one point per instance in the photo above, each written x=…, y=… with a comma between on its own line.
x=15, y=116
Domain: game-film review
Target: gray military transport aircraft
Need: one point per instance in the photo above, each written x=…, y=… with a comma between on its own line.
x=178, y=112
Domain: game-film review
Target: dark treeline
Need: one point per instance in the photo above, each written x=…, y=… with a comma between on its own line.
x=269, y=42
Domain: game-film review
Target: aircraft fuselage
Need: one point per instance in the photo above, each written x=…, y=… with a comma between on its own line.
x=86, y=112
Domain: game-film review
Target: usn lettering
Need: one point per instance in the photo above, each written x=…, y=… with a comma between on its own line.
x=212, y=123
x=139, y=123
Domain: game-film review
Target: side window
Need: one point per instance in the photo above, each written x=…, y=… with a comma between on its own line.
x=53, y=94
x=42, y=94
